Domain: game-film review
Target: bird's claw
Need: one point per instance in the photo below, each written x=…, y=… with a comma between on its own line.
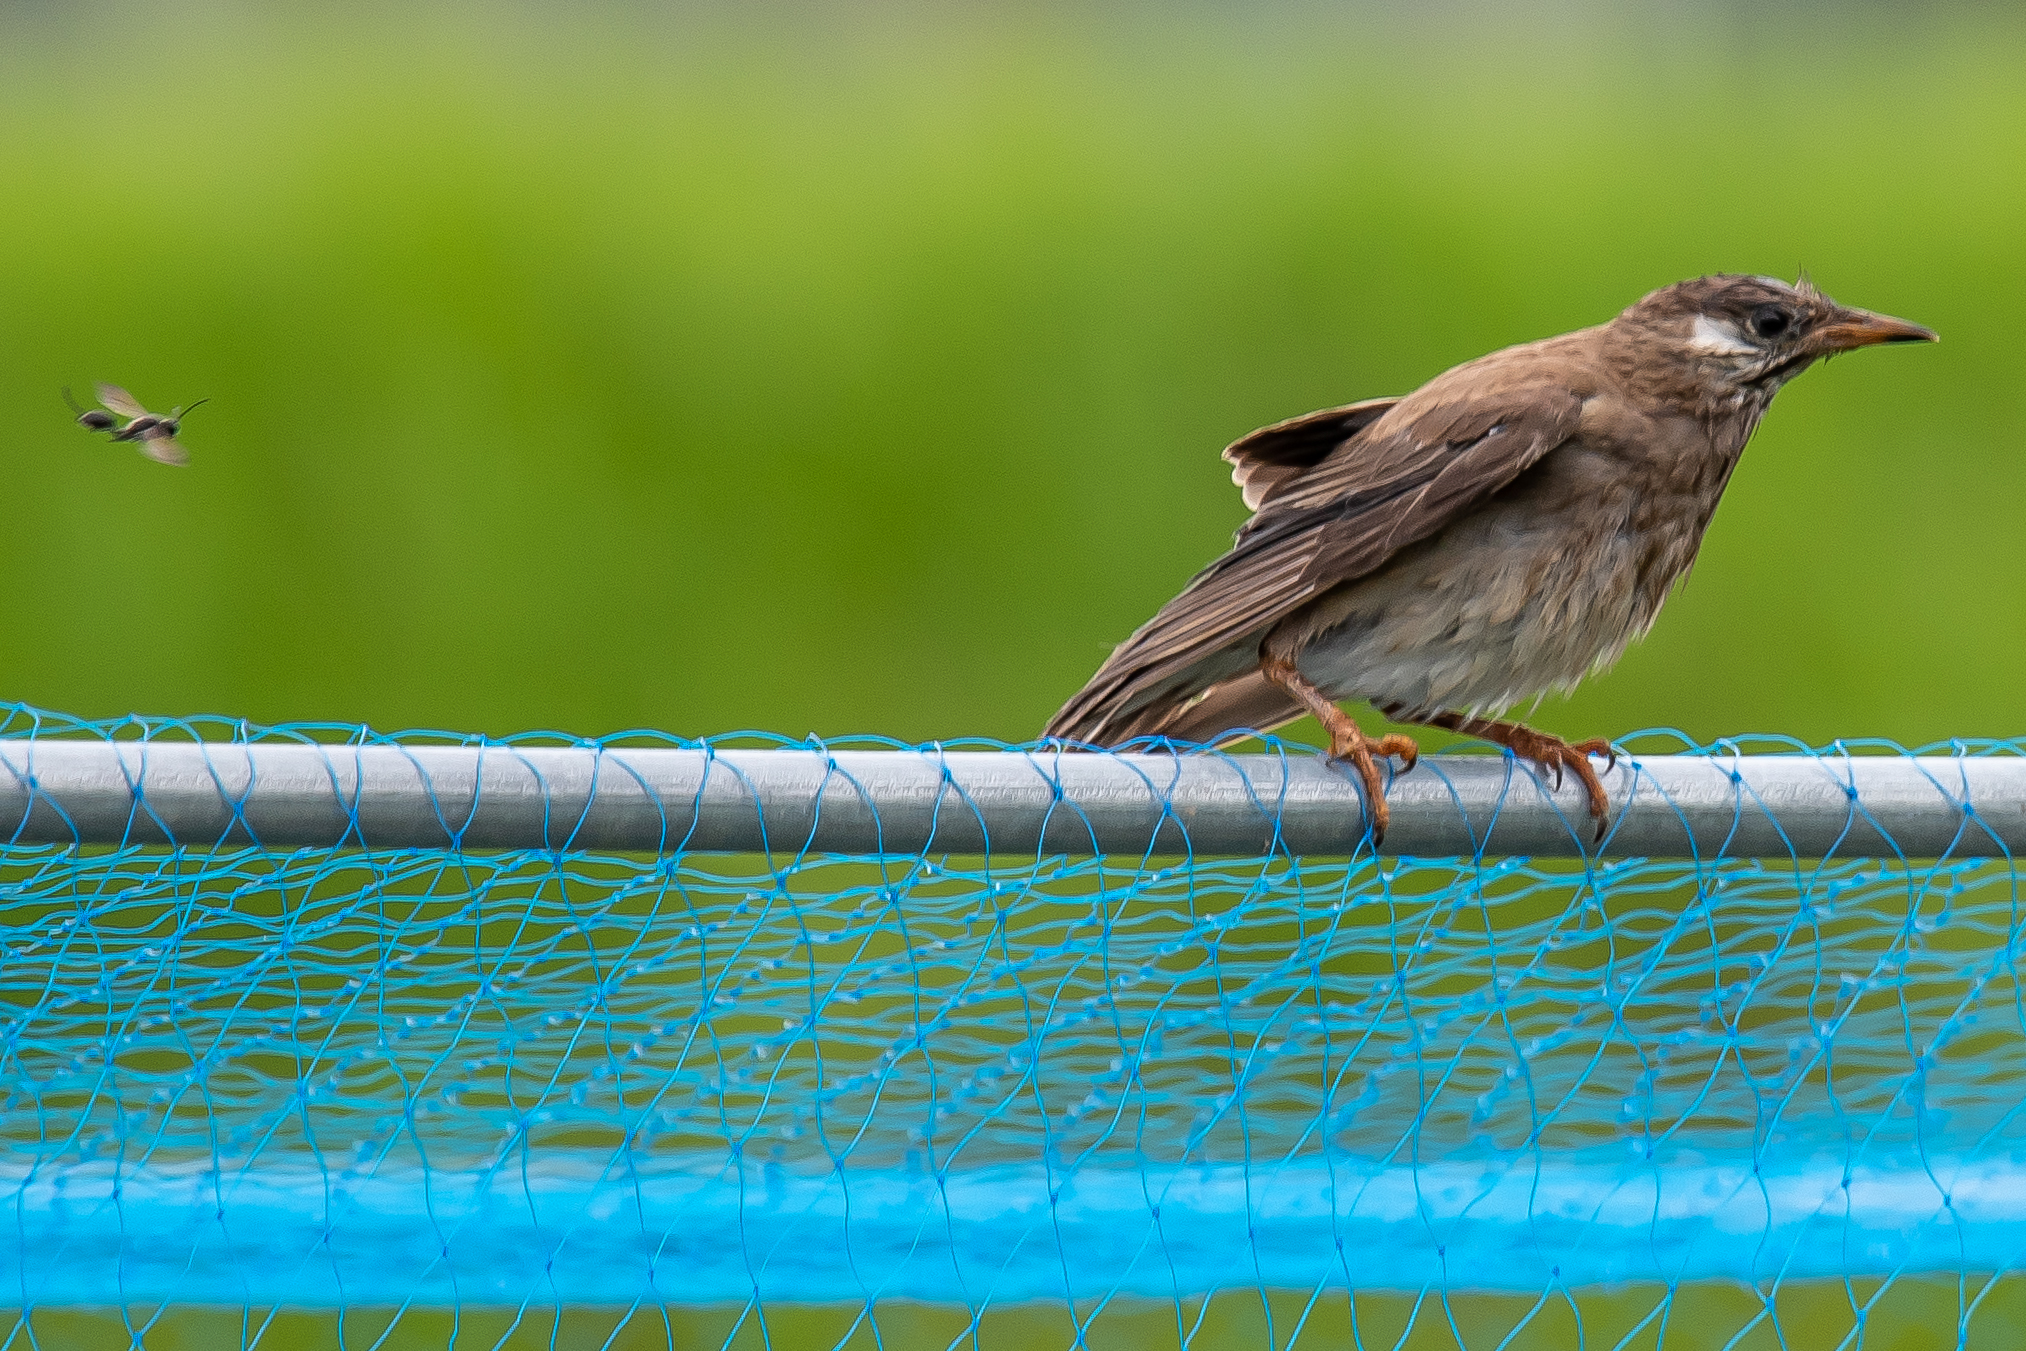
x=1399, y=746
x=1363, y=754
x=1551, y=752
x=1598, y=745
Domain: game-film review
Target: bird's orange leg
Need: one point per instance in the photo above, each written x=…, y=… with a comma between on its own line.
x=1348, y=742
x=1545, y=749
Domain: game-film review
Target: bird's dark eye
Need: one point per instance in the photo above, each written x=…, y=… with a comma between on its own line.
x=1770, y=321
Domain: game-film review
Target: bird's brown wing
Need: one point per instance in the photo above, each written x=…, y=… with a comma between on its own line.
x=1272, y=457
x=1380, y=495
x=1339, y=521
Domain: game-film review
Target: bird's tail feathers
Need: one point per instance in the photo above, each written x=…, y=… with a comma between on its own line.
x=1240, y=703
x=1230, y=710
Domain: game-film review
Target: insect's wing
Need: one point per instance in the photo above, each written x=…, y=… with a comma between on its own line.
x=165, y=449
x=121, y=402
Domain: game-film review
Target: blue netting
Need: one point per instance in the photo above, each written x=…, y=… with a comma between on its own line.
x=1039, y=1101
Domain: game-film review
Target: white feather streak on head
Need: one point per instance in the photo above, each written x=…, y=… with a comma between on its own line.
x=1714, y=337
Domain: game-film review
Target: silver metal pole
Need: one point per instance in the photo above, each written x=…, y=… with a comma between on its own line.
x=906, y=802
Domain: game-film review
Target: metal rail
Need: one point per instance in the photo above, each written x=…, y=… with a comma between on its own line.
x=907, y=802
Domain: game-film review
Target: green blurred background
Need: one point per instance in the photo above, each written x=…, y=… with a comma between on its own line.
x=843, y=370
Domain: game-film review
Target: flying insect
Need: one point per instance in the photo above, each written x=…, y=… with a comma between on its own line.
x=153, y=434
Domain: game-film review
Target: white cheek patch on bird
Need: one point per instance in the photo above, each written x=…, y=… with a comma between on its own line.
x=1713, y=337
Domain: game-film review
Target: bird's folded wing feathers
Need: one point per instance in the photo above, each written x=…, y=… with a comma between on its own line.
x=1342, y=519
x=1448, y=459
x=1272, y=457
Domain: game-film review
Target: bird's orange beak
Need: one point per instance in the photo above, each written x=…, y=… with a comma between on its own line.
x=1852, y=329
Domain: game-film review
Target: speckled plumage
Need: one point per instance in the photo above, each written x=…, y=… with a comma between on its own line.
x=1501, y=532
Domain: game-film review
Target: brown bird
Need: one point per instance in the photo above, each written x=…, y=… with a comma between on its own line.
x=1501, y=532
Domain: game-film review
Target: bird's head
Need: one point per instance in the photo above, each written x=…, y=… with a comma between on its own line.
x=1733, y=339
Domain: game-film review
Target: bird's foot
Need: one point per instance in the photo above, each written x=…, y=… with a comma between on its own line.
x=1350, y=746
x=1348, y=743
x=1552, y=753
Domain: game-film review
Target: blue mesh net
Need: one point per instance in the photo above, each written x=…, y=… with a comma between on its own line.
x=427, y=1098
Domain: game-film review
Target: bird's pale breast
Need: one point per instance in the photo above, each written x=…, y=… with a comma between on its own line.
x=1548, y=581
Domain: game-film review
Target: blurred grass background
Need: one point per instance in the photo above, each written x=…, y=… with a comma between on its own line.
x=840, y=370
